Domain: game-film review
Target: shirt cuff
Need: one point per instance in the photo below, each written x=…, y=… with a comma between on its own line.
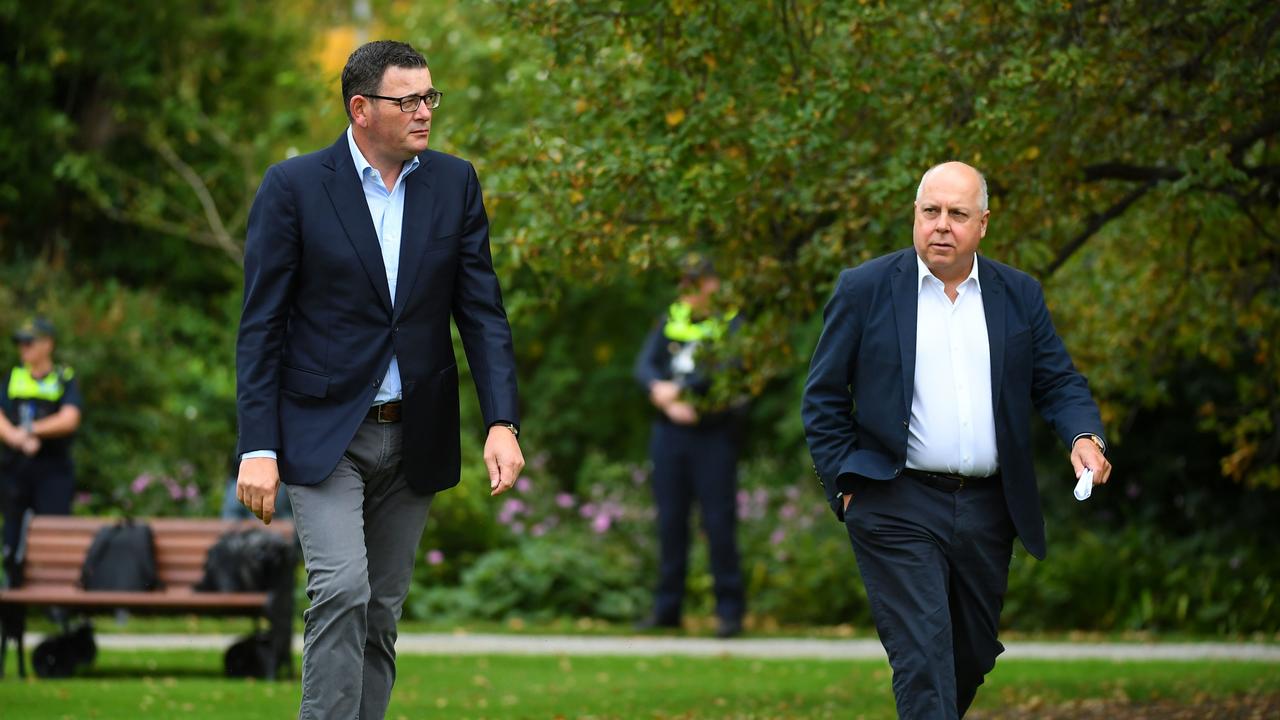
x=259, y=454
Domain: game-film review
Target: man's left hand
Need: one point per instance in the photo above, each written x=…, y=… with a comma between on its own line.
x=503, y=458
x=1085, y=454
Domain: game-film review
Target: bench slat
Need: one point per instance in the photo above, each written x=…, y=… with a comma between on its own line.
x=169, y=598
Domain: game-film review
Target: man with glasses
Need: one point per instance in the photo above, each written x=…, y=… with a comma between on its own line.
x=41, y=413
x=356, y=258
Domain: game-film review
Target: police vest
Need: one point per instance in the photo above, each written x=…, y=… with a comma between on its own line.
x=43, y=396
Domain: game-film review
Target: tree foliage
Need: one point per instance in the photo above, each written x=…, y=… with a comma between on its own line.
x=1131, y=149
x=149, y=126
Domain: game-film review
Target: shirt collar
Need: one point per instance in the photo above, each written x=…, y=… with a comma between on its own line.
x=363, y=167
x=922, y=272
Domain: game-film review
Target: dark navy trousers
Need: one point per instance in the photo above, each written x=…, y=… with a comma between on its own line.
x=696, y=462
x=936, y=567
x=45, y=485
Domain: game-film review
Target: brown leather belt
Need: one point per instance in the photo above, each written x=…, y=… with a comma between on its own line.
x=385, y=413
x=947, y=482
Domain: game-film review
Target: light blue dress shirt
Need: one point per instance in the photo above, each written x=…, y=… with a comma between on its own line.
x=386, y=208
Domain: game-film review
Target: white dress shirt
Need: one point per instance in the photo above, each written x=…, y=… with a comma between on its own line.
x=952, y=427
x=386, y=208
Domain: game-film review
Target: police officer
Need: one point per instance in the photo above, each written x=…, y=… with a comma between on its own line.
x=41, y=412
x=694, y=453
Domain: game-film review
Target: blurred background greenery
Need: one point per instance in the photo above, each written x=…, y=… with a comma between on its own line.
x=1133, y=154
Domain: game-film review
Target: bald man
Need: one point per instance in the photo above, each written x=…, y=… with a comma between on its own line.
x=943, y=354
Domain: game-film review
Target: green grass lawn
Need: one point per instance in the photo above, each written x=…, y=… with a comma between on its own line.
x=188, y=685
x=694, y=626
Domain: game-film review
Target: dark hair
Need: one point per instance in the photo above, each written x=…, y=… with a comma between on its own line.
x=366, y=66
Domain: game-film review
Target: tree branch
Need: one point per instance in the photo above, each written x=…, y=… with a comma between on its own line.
x=1096, y=222
x=1125, y=171
x=218, y=230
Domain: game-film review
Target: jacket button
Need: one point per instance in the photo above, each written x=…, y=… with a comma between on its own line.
x=897, y=472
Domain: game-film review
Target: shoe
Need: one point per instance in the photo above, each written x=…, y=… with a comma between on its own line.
x=653, y=622
x=729, y=628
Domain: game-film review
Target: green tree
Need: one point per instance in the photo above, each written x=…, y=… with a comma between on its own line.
x=135, y=142
x=150, y=127
x=1131, y=150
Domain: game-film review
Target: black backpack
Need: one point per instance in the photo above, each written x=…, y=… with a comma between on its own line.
x=121, y=557
x=249, y=560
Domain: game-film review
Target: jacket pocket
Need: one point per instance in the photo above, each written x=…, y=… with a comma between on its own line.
x=304, y=382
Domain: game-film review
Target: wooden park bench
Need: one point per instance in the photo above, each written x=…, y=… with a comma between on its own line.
x=53, y=553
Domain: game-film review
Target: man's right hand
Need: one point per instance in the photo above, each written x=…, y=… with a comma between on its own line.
x=256, y=486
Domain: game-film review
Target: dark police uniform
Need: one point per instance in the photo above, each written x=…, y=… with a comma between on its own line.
x=693, y=461
x=44, y=482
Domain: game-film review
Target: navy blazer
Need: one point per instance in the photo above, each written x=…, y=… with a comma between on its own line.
x=857, y=401
x=318, y=327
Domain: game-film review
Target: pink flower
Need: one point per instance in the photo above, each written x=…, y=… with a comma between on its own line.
x=192, y=492
x=140, y=483
x=588, y=510
x=788, y=511
x=777, y=536
x=564, y=500
x=601, y=523
x=523, y=485
x=175, y=490
x=538, y=530
x=510, y=509
x=434, y=557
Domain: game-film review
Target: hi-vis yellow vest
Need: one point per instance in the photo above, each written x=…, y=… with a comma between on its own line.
x=50, y=388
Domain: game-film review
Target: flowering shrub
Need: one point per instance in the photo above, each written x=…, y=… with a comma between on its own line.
x=153, y=494
x=593, y=553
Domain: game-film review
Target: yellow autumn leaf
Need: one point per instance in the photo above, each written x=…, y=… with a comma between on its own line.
x=675, y=117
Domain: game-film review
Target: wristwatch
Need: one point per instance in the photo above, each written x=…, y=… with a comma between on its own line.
x=510, y=426
x=1097, y=441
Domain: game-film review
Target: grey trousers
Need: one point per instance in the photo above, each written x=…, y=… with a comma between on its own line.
x=359, y=530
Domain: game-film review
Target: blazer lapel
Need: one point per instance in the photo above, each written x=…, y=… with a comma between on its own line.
x=906, y=300
x=347, y=196
x=419, y=204
x=993, y=307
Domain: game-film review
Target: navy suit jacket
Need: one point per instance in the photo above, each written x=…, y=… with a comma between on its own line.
x=318, y=327
x=857, y=401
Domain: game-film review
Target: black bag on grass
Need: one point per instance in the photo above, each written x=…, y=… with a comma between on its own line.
x=62, y=655
x=250, y=656
x=121, y=557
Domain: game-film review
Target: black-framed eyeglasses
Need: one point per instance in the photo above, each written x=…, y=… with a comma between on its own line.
x=410, y=103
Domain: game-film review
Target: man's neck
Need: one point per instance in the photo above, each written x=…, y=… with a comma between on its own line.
x=39, y=369
x=951, y=283
x=389, y=170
